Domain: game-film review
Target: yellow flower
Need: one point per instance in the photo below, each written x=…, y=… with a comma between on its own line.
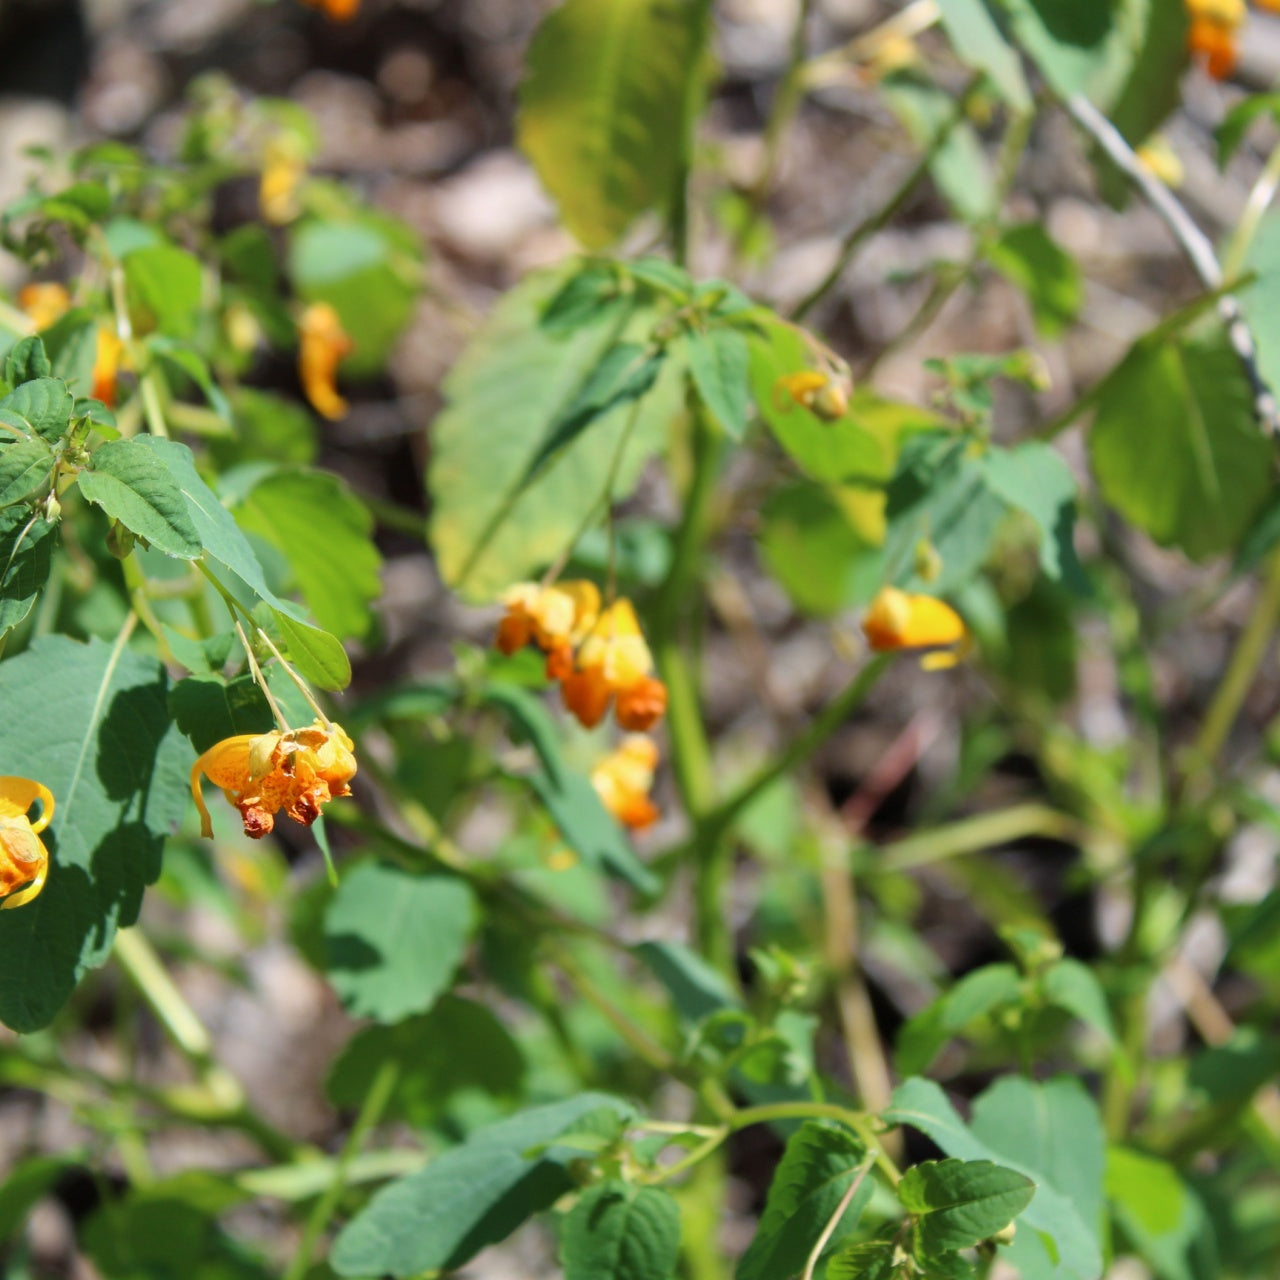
x=283, y=168
x=613, y=661
x=1159, y=158
x=900, y=620
x=298, y=771
x=336, y=10
x=323, y=344
x=812, y=390
x=24, y=861
x=44, y=303
x=623, y=780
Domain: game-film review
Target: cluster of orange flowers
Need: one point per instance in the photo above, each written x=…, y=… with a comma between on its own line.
x=600, y=659
x=598, y=655
x=24, y=861
x=297, y=770
x=45, y=303
x=1215, y=25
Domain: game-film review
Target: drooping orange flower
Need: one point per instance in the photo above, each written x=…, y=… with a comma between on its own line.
x=24, y=860
x=323, y=344
x=1212, y=34
x=613, y=662
x=106, y=365
x=555, y=618
x=299, y=771
x=336, y=10
x=624, y=778
x=898, y=620
x=814, y=390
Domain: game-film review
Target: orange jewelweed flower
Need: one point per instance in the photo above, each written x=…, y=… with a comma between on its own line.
x=1215, y=45
x=554, y=618
x=323, y=344
x=45, y=303
x=624, y=778
x=24, y=861
x=614, y=661
x=298, y=770
x=812, y=390
x=899, y=620
x=106, y=365
x=336, y=10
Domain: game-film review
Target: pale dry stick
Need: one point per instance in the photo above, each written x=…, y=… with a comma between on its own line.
x=833, y=1222
x=1195, y=244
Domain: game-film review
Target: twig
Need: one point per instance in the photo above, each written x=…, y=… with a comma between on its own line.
x=1195, y=244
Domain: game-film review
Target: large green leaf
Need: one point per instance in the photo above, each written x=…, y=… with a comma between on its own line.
x=209, y=708
x=468, y=1198
x=459, y=1045
x=26, y=468
x=604, y=108
x=958, y=1203
x=1175, y=445
x=92, y=723
x=132, y=484
x=394, y=939
x=1044, y=271
x=719, y=365
x=165, y=286
x=504, y=395
x=324, y=533
x=816, y=1170
x=1161, y=1217
x=619, y=1231
x=42, y=407
x=1053, y=1211
x=26, y=555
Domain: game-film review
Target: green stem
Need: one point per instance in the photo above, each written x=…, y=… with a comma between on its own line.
x=1246, y=229
x=1238, y=678
x=679, y=221
x=833, y=1222
x=858, y=235
x=972, y=835
x=300, y=1181
x=375, y=1101
x=144, y=969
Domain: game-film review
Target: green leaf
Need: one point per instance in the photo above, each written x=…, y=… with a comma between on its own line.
x=1154, y=86
x=1053, y=1212
x=165, y=288
x=817, y=1168
x=622, y=377
x=1175, y=446
x=512, y=383
x=269, y=428
x=867, y=1260
x=1075, y=987
x=719, y=363
x=975, y=996
x=960, y=167
x=604, y=109
x=208, y=709
x=592, y=292
x=72, y=344
x=26, y=468
x=467, y=1198
x=696, y=988
x=1044, y=271
x=815, y=541
x=318, y=656
x=958, y=1203
x=43, y=407
x=1080, y=46
x=26, y=361
x=459, y=1045
x=1235, y=124
x=91, y=722
x=1163, y=1220
x=26, y=556
x=571, y=801
x=369, y=269
x=325, y=533
x=618, y=1231
x=980, y=43
x=1034, y=478
x=131, y=483
x=394, y=939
